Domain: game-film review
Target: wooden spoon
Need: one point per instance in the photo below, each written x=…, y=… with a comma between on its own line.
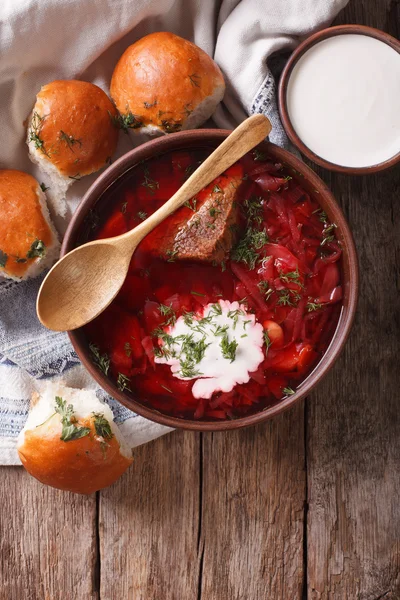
x=86, y=280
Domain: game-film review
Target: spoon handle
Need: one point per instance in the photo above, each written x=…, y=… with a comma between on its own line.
x=245, y=137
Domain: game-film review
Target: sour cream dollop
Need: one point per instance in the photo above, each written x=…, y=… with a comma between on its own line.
x=219, y=348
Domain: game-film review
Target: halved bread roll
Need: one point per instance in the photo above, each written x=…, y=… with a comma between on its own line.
x=70, y=441
x=72, y=132
x=163, y=84
x=28, y=241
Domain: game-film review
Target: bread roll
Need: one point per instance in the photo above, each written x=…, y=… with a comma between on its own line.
x=28, y=240
x=163, y=84
x=70, y=441
x=72, y=132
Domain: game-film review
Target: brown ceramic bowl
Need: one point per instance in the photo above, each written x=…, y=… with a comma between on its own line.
x=283, y=85
x=309, y=180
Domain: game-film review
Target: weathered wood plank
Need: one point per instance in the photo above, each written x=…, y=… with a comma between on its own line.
x=47, y=541
x=252, y=511
x=149, y=524
x=353, y=419
x=354, y=422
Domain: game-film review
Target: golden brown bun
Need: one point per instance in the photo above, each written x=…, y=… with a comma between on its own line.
x=84, y=465
x=72, y=127
x=161, y=79
x=28, y=241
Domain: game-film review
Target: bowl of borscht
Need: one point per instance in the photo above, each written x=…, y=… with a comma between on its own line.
x=237, y=305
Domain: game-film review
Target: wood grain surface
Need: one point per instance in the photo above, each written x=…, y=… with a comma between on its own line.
x=305, y=507
x=47, y=541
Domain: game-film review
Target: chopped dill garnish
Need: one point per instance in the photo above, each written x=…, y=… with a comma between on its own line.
x=311, y=306
x=291, y=277
x=102, y=426
x=253, y=208
x=288, y=297
x=214, y=212
x=197, y=294
x=191, y=204
x=265, y=289
x=44, y=187
x=128, y=349
x=70, y=140
x=220, y=330
x=246, y=250
x=37, y=249
x=171, y=255
x=284, y=298
x=188, y=370
x=217, y=189
x=126, y=122
x=142, y=215
x=166, y=388
x=288, y=391
x=188, y=318
x=234, y=314
x=102, y=361
x=34, y=132
x=228, y=348
x=267, y=340
x=167, y=311
x=216, y=309
x=123, y=207
x=123, y=382
x=328, y=235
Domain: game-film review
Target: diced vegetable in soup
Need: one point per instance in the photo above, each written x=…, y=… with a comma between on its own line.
x=228, y=304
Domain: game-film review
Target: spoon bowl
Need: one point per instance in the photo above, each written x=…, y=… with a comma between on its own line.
x=79, y=296
x=84, y=282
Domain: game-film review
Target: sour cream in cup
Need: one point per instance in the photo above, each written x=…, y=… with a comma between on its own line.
x=339, y=99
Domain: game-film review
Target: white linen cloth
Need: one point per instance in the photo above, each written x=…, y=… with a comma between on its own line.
x=43, y=40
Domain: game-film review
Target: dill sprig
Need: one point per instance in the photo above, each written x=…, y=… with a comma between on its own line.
x=102, y=361
x=123, y=382
x=70, y=140
x=126, y=121
x=253, y=209
x=37, y=122
x=228, y=348
x=328, y=235
x=37, y=249
x=265, y=289
x=191, y=204
x=167, y=311
x=311, y=306
x=246, y=250
x=102, y=426
x=288, y=391
x=291, y=277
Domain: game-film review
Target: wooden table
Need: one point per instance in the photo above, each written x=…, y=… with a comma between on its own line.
x=305, y=506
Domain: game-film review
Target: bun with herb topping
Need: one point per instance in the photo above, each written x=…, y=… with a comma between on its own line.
x=70, y=441
x=72, y=132
x=28, y=240
x=163, y=83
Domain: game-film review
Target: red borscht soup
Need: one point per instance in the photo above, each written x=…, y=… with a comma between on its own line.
x=231, y=302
